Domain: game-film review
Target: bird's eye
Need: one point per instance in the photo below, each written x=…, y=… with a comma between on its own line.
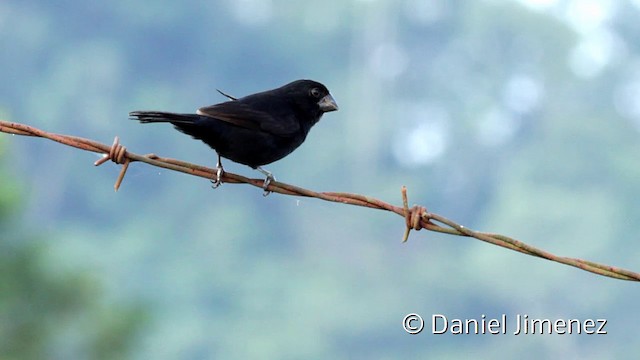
x=315, y=92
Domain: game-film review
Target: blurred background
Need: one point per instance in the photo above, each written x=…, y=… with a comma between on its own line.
x=514, y=117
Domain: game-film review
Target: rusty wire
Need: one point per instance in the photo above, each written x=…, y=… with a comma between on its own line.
x=416, y=217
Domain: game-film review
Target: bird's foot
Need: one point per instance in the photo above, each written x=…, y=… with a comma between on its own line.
x=219, y=171
x=218, y=180
x=266, y=183
x=269, y=178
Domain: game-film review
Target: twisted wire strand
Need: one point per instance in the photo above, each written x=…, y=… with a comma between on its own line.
x=416, y=217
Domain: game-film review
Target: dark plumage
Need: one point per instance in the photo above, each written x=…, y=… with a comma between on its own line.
x=257, y=129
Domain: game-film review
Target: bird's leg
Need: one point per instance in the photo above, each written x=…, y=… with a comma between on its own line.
x=219, y=171
x=269, y=178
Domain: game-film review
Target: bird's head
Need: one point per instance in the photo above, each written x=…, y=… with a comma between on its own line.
x=311, y=96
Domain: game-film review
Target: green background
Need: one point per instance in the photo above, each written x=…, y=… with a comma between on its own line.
x=514, y=117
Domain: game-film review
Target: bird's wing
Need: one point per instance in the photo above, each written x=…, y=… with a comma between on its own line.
x=243, y=115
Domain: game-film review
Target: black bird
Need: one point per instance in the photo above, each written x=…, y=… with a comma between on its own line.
x=256, y=129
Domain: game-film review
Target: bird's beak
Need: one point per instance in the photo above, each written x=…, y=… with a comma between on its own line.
x=327, y=104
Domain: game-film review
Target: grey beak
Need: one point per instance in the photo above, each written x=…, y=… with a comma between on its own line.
x=327, y=104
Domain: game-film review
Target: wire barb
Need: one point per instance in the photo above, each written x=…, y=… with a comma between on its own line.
x=416, y=218
x=117, y=154
x=413, y=217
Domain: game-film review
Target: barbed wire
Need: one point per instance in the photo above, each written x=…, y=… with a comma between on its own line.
x=416, y=217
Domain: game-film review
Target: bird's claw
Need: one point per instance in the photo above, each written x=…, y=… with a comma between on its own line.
x=218, y=180
x=269, y=178
x=265, y=184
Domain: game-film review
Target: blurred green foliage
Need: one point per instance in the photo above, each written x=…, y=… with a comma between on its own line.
x=516, y=117
x=49, y=313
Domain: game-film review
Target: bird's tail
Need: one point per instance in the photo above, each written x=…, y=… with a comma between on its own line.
x=158, y=116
